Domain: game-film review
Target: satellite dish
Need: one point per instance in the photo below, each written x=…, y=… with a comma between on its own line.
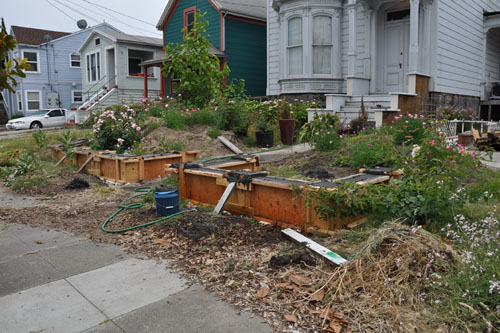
x=47, y=38
x=82, y=24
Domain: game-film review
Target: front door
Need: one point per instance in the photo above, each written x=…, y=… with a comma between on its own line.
x=396, y=41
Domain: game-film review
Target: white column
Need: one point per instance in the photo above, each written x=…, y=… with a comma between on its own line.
x=427, y=13
x=414, y=29
x=351, y=68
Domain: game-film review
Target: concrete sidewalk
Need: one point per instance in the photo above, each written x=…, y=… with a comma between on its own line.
x=52, y=281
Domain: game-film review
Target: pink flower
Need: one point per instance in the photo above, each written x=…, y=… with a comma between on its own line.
x=138, y=128
x=331, y=141
x=448, y=147
x=134, y=125
x=369, y=144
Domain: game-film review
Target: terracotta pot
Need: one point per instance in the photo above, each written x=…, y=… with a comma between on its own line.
x=287, y=129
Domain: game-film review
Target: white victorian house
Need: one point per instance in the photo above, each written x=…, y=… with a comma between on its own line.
x=398, y=54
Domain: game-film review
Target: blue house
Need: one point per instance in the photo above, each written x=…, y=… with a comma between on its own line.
x=55, y=77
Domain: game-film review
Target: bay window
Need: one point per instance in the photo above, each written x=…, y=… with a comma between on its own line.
x=294, y=48
x=322, y=44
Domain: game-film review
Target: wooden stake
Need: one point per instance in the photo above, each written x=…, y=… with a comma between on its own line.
x=85, y=164
x=229, y=145
x=222, y=202
x=61, y=160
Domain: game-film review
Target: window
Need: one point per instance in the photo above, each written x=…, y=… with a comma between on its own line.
x=19, y=101
x=135, y=58
x=133, y=66
x=76, y=96
x=32, y=60
x=93, y=67
x=74, y=60
x=294, y=48
x=322, y=44
x=189, y=18
x=56, y=113
x=97, y=41
x=33, y=98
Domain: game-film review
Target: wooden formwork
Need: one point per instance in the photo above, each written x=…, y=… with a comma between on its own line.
x=270, y=199
x=124, y=168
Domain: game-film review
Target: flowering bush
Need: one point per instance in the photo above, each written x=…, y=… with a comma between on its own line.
x=451, y=113
x=116, y=129
x=326, y=140
x=367, y=151
x=322, y=122
x=408, y=129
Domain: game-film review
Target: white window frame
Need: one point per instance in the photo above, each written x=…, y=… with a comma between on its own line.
x=19, y=96
x=98, y=68
x=37, y=61
x=73, y=96
x=39, y=99
x=71, y=60
x=288, y=47
x=142, y=60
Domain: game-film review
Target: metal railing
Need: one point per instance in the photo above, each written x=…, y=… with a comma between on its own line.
x=98, y=83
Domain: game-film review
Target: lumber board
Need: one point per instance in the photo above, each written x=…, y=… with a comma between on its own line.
x=61, y=160
x=225, y=197
x=223, y=182
x=332, y=257
x=229, y=145
x=85, y=164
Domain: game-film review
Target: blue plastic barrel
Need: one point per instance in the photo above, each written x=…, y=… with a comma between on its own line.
x=167, y=203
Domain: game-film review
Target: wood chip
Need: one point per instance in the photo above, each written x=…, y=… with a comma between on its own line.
x=263, y=292
x=318, y=295
x=300, y=280
x=163, y=241
x=291, y=318
x=336, y=326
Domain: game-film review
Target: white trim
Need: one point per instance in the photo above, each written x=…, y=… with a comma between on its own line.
x=19, y=100
x=73, y=96
x=37, y=60
x=39, y=99
x=70, y=60
x=98, y=68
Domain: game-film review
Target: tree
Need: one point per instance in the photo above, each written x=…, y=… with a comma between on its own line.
x=197, y=73
x=11, y=67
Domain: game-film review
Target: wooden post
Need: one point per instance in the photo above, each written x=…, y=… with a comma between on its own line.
x=182, y=182
x=146, y=81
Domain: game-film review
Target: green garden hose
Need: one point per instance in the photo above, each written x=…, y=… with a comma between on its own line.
x=142, y=192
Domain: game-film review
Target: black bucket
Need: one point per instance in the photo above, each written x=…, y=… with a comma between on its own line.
x=265, y=139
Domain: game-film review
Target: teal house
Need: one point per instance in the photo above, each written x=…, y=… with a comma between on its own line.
x=236, y=30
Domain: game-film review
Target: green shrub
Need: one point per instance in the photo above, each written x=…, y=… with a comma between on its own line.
x=118, y=128
x=408, y=129
x=40, y=139
x=156, y=111
x=368, y=151
x=235, y=115
x=205, y=116
x=326, y=140
x=250, y=141
x=214, y=132
x=321, y=122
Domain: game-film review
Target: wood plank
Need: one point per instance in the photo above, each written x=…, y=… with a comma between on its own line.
x=61, y=160
x=85, y=164
x=222, y=202
x=224, y=182
x=229, y=145
x=332, y=257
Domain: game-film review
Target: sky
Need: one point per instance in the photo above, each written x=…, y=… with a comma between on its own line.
x=62, y=15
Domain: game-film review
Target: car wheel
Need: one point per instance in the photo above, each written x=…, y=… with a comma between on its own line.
x=36, y=125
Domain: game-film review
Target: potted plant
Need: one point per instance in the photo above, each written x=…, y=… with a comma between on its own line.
x=287, y=123
x=264, y=134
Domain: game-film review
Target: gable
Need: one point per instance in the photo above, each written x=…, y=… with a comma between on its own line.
x=174, y=22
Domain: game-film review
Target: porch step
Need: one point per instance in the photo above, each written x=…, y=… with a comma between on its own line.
x=372, y=98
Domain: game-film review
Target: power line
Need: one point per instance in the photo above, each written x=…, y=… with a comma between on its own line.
x=111, y=17
x=60, y=10
x=114, y=11
x=77, y=11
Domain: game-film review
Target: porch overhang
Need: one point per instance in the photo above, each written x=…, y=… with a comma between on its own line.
x=491, y=20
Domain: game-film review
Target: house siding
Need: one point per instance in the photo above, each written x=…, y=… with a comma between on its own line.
x=90, y=47
x=246, y=56
x=273, y=51
x=172, y=32
x=460, y=50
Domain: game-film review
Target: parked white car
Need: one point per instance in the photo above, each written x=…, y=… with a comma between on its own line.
x=39, y=119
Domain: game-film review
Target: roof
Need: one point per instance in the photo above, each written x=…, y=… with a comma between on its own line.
x=32, y=36
x=121, y=37
x=159, y=61
x=253, y=9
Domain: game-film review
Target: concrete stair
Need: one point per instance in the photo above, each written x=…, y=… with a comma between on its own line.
x=348, y=108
